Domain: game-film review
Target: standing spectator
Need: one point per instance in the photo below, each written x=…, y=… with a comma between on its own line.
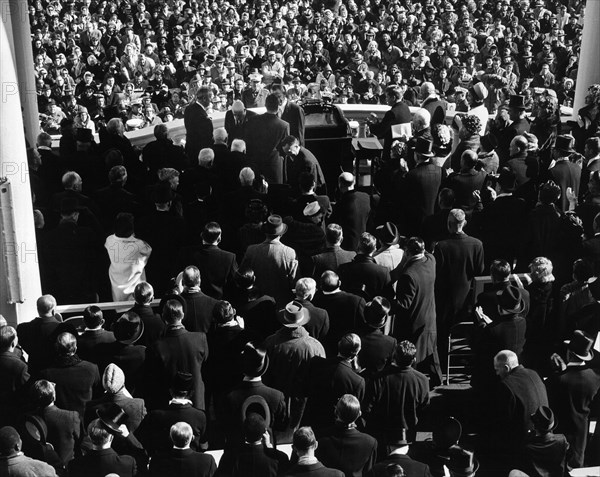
x=334, y=255
x=291, y=113
x=305, y=444
x=177, y=351
x=94, y=335
x=143, y=294
x=13, y=374
x=415, y=316
x=15, y=463
x=198, y=126
x=265, y=133
x=351, y=211
x=236, y=121
x=77, y=381
x=565, y=173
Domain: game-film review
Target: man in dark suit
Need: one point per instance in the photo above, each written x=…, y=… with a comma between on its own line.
x=396, y=398
x=291, y=113
x=397, y=457
x=94, y=335
x=421, y=185
x=254, y=458
x=345, y=310
x=318, y=322
x=305, y=444
x=399, y=114
x=299, y=160
x=101, y=459
x=236, y=121
x=217, y=267
x=143, y=294
x=181, y=459
x=343, y=446
x=351, y=211
x=331, y=378
x=334, y=255
x=13, y=375
x=571, y=393
x=362, y=276
x=38, y=335
x=433, y=104
x=77, y=381
x=458, y=259
x=503, y=329
x=467, y=181
x=415, y=315
x=226, y=165
x=178, y=350
x=65, y=428
x=153, y=431
x=521, y=392
x=114, y=198
x=500, y=272
x=592, y=156
x=198, y=306
x=377, y=348
x=163, y=153
x=198, y=126
x=565, y=173
x=264, y=135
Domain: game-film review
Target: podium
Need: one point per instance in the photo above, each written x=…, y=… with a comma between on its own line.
x=367, y=153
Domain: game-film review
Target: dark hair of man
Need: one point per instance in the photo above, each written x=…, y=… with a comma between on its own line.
x=415, y=246
x=289, y=141
x=446, y=198
x=191, y=277
x=92, y=317
x=405, y=353
x=500, y=270
x=304, y=438
x=394, y=91
x=367, y=244
x=333, y=233
x=44, y=393
x=582, y=270
x=272, y=103
x=172, y=312
x=66, y=344
x=306, y=181
x=143, y=293
x=254, y=427
x=212, y=232
x=507, y=179
x=124, y=225
x=161, y=131
x=97, y=433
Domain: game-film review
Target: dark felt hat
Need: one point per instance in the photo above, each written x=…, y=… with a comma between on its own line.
x=564, y=143
x=274, y=225
x=128, y=328
x=388, y=233
x=255, y=361
x=294, y=315
x=543, y=419
x=182, y=382
x=84, y=135
x=376, y=312
x=462, y=462
x=510, y=300
x=581, y=345
x=447, y=433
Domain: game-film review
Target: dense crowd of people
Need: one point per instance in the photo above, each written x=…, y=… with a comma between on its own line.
x=288, y=304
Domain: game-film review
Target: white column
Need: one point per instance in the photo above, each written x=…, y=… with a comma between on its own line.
x=19, y=271
x=588, y=72
x=16, y=20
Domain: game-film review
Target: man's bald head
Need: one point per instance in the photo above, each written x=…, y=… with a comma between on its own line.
x=504, y=362
x=346, y=181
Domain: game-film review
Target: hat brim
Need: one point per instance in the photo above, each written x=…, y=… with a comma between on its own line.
x=466, y=472
x=305, y=317
x=261, y=370
x=279, y=231
x=110, y=426
x=134, y=338
x=587, y=357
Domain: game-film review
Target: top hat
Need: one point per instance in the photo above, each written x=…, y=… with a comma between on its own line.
x=255, y=361
x=580, y=345
x=516, y=101
x=397, y=438
x=543, y=419
x=388, y=232
x=111, y=416
x=564, y=142
x=182, y=382
x=510, y=301
x=294, y=315
x=274, y=225
x=424, y=147
x=462, y=462
x=84, y=134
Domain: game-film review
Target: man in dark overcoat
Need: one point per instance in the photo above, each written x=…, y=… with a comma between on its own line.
x=351, y=211
x=198, y=126
x=236, y=121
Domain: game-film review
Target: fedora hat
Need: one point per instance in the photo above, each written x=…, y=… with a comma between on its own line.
x=255, y=361
x=510, y=301
x=516, y=101
x=581, y=345
x=543, y=419
x=424, y=147
x=182, y=382
x=388, y=233
x=112, y=416
x=128, y=328
x=294, y=315
x=274, y=225
x=564, y=143
x=462, y=462
x=376, y=312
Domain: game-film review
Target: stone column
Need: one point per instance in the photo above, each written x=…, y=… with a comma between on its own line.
x=588, y=72
x=20, y=277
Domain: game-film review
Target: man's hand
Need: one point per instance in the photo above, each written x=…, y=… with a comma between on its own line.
x=482, y=317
